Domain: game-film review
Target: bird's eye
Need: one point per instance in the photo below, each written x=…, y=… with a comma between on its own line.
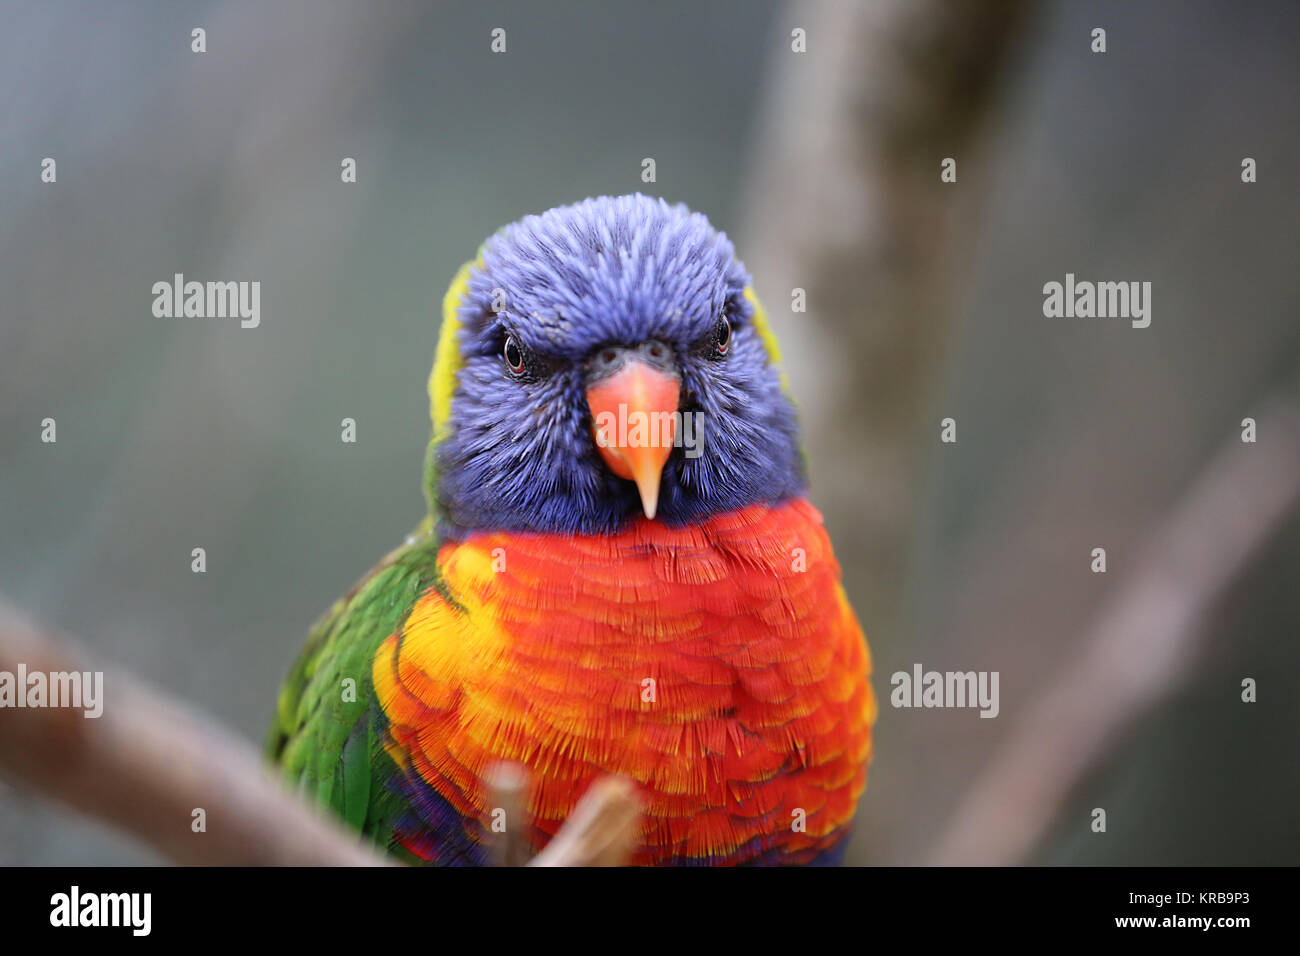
x=514, y=356
x=723, y=341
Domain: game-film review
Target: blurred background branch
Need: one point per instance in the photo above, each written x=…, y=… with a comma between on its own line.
x=147, y=763
x=1141, y=648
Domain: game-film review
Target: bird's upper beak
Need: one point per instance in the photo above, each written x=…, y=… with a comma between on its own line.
x=633, y=394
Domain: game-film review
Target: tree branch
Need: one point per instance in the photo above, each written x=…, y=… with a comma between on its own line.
x=1140, y=647
x=148, y=763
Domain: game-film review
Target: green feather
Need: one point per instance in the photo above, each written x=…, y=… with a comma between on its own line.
x=324, y=734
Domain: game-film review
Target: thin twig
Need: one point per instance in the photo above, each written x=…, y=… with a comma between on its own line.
x=1140, y=647
x=602, y=831
x=507, y=786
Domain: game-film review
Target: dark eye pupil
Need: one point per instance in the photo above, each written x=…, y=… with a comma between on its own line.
x=514, y=357
x=724, y=334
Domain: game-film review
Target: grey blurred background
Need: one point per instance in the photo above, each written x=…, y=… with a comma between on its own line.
x=181, y=433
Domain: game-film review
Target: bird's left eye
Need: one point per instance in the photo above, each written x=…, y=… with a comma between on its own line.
x=513, y=355
x=723, y=341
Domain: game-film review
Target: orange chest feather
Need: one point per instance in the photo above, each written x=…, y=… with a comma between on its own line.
x=720, y=666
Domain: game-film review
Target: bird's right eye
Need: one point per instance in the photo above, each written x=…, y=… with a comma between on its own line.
x=513, y=355
x=722, y=336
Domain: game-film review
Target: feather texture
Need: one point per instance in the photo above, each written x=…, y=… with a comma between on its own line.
x=718, y=666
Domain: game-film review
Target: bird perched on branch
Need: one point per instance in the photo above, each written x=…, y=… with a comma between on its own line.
x=619, y=572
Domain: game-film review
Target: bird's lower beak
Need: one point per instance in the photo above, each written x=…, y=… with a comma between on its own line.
x=634, y=423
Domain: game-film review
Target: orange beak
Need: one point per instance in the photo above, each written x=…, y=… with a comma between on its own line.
x=634, y=423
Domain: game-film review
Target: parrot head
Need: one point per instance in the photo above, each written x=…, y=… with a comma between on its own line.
x=604, y=362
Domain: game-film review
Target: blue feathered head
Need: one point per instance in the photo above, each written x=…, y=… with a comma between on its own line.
x=603, y=362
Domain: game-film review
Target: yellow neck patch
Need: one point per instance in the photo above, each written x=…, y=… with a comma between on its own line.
x=759, y=321
x=447, y=362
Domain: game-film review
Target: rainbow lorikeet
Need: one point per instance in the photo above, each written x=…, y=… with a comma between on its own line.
x=619, y=572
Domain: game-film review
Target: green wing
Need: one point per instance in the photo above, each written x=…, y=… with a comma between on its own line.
x=325, y=733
